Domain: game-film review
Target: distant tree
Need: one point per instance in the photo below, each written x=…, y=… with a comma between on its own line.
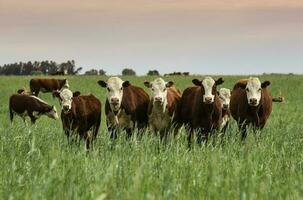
x=128, y=72
x=102, y=72
x=153, y=73
x=91, y=72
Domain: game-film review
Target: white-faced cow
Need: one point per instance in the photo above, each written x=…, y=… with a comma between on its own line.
x=201, y=108
x=250, y=103
x=47, y=85
x=31, y=106
x=126, y=106
x=80, y=114
x=163, y=107
x=224, y=96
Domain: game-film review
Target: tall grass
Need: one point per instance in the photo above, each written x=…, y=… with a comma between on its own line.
x=37, y=163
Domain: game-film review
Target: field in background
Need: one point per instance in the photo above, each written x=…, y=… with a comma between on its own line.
x=37, y=163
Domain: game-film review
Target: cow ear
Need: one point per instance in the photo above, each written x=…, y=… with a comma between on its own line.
x=197, y=82
x=20, y=91
x=169, y=84
x=147, y=84
x=219, y=81
x=126, y=84
x=77, y=93
x=102, y=83
x=265, y=84
x=56, y=94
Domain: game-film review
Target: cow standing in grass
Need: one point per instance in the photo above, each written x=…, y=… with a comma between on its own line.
x=250, y=103
x=31, y=106
x=47, y=85
x=163, y=107
x=201, y=109
x=126, y=106
x=224, y=96
x=80, y=114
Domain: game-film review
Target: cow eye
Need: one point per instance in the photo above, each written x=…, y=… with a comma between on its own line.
x=152, y=89
x=108, y=89
x=259, y=89
x=247, y=89
x=164, y=89
x=121, y=88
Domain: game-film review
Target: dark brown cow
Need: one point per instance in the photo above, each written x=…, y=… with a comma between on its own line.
x=163, y=107
x=200, y=108
x=32, y=106
x=80, y=113
x=47, y=85
x=250, y=103
x=126, y=106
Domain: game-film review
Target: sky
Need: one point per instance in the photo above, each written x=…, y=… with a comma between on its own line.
x=202, y=37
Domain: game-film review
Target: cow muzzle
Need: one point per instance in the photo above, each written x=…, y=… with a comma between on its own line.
x=66, y=108
x=225, y=106
x=253, y=102
x=208, y=100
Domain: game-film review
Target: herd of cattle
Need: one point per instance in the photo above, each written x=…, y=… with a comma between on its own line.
x=202, y=108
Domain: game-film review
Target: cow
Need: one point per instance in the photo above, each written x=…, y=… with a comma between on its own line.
x=31, y=106
x=224, y=96
x=201, y=109
x=250, y=103
x=80, y=114
x=47, y=85
x=125, y=107
x=163, y=106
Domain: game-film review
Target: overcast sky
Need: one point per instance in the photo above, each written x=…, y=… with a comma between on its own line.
x=204, y=37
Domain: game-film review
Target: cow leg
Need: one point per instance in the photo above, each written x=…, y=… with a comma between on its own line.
x=33, y=118
x=88, y=140
x=128, y=133
x=190, y=138
x=243, y=130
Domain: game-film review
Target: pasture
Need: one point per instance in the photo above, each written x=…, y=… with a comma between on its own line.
x=37, y=163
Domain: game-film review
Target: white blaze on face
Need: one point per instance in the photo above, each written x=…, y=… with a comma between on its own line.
x=114, y=92
x=253, y=91
x=159, y=91
x=53, y=113
x=66, y=99
x=224, y=96
x=208, y=84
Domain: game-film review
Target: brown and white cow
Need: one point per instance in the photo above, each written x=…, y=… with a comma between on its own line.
x=224, y=96
x=201, y=108
x=47, y=85
x=163, y=107
x=126, y=106
x=80, y=113
x=31, y=106
x=250, y=103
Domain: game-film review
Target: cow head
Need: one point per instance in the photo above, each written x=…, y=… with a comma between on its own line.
x=224, y=96
x=52, y=112
x=209, y=88
x=253, y=90
x=114, y=86
x=159, y=90
x=65, y=97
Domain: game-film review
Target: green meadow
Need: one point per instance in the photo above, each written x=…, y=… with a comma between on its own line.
x=37, y=163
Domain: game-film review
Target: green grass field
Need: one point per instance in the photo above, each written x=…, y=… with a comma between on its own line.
x=37, y=163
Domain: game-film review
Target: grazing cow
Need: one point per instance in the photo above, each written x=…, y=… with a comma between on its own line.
x=47, y=85
x=224, y=96
x=201, y=109
x=80, y=113
x=163, y=107
x=126, y=106
x=250, y=103
x=32, y=106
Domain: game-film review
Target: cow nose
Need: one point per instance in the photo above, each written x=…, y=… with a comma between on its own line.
x=225, y=106
x=158, y=99
x=114, y=100
x=208, y=99
x=253, y=101
x=65, y=108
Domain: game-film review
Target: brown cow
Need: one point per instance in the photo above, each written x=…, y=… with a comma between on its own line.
x=80, y=113
x=47, y=85
x=32, y=106
x=126, y=106
x=200, y=108
x=163, y=107
x=250, y=103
